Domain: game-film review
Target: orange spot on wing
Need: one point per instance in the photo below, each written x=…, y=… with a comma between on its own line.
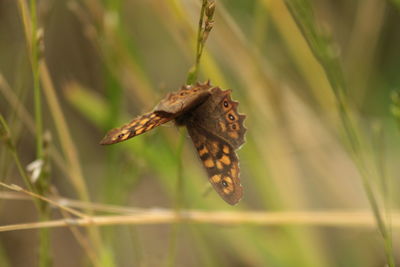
x=234, y=171
x=227, y=190
x=151, y=126
x=219, y=165
x=222, y=126
x=225, y=160
x=216, y=178
x=234, y=135
x=142, y=122
x=203, y=151
x=133, y=124
x=139, y=131
x=214, y=147
x=209, y=163
x=225, y=149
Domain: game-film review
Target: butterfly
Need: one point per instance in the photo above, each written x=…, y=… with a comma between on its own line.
x=214, y=125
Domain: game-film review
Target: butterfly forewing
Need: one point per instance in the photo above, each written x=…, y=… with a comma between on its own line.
x=136, y=127
x=172, y=105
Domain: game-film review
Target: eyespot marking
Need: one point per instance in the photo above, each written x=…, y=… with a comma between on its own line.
x=228, y=180
x=121, y=135
x=231, y=116
x=227, y=184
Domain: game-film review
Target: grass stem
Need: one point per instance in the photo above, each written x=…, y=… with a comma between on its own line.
x=204, y=28
x=322, y=49
x=333, y=219
x=36, y=83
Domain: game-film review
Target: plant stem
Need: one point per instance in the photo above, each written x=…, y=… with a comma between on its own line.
x=321, y=48
x=191, y=78
x=200, y=43
x=193, y=73
x=42, y=207
x=41, y=186
x=6, y=136
x=36, y=83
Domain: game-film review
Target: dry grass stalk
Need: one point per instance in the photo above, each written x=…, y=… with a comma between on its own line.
x=156, y=216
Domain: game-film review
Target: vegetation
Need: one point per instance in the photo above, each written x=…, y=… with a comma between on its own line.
x=318, y=80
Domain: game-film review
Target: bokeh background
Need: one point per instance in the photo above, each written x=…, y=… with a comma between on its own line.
x=108, y=61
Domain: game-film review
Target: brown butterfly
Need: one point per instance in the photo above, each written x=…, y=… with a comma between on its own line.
x=214, y=125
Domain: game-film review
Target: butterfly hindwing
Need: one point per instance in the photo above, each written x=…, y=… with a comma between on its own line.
x=219, y=115
x=136, y=127
x=229, y=124
x=220, y=162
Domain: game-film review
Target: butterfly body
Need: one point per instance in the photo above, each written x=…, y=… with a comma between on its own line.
x=214, y=125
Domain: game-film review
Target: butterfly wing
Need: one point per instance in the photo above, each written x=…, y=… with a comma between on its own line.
x=171, y=106
x=217, y=131
x=219, y=115
x=136, y=127
x=220, y=161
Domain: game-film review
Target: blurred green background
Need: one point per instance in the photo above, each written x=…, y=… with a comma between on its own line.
x=111, y=60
